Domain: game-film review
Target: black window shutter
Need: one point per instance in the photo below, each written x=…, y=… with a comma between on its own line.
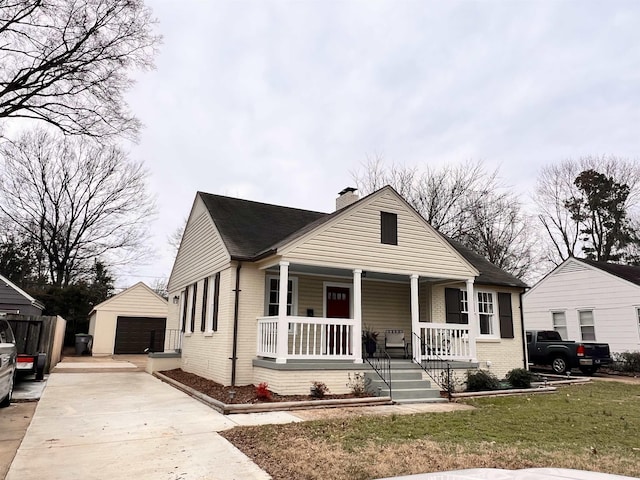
x=193, y=306
x=185, y=299
x=205, y=292
x=216, y=296
x=388, y=228
x=452, y=304
x=506, y=315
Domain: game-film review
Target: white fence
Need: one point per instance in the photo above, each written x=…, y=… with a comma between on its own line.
x=310, y=338
x=445, y=340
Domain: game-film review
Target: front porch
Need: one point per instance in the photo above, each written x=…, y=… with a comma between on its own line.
x=327, y=344
x=336, y=339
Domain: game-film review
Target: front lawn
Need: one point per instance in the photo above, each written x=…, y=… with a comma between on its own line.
x=591, y=427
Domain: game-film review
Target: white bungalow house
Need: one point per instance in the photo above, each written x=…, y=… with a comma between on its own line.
x=588, y=300
x=374, y=263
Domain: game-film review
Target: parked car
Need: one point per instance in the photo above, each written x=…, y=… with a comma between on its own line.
x=546, y=348
x=8, y=355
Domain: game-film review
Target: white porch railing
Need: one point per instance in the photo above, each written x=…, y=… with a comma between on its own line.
x=444, y=340
x=310, y=338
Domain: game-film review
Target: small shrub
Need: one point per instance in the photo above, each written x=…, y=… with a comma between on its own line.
x=319, y=389
x=357, y=384
x=481, y=381
x=262, y=392
x=628, y=362
x=519, y=378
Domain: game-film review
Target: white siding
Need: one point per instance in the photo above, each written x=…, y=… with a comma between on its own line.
x=573, y=287
x=207, y=354
x=201, y=252
x=353, y=241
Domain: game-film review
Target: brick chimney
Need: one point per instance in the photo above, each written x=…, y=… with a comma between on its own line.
x=346, y=197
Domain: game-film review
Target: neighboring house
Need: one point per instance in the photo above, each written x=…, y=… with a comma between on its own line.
x=133, y=321
x=588, y=300
x=15, y=300
x=374, y=262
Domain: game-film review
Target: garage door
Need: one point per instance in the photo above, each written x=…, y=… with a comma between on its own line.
x=137, y=334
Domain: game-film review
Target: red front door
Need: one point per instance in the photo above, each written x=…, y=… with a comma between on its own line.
x=338, y=306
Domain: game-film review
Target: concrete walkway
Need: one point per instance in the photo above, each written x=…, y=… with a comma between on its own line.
x=104, y=418
x=122, y=426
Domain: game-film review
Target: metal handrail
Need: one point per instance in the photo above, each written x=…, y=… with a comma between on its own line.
x=169, y=340
x=382, y=366
x=438, y=369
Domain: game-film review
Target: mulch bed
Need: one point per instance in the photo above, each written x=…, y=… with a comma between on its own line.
x=242, y=395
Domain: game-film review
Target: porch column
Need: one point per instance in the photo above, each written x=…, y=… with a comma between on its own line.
x=283, y=324
x=357, y=316
x=474, y=323
x=415, y=319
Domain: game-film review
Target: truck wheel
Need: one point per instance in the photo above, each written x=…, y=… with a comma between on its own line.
x=559, y=365
x=589, y=370
x=7, y=400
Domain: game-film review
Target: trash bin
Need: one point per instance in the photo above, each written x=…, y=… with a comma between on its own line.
x=84, y=342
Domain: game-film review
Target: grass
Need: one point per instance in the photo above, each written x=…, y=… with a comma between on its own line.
x=591, y=427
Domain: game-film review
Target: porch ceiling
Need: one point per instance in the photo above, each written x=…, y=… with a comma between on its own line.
x=346, y=273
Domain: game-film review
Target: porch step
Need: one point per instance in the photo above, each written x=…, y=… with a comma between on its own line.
x=407, y=384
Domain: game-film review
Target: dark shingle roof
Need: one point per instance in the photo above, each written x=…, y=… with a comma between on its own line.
x=253, y=229
x=489, y=273
x=630, y=273
x=249, y=228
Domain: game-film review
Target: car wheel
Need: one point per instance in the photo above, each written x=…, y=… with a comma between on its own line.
x=7, y=400
x=559, y=365
x=588, y=370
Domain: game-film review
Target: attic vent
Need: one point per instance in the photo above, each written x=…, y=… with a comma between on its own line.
x=346, y=197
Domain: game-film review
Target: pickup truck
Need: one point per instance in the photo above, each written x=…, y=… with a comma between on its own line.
x=546, y=348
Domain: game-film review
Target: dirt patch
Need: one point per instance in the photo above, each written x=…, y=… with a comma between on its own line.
x=14, y=421
x=241, y=395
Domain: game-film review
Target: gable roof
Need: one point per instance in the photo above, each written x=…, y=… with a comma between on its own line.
x=247, y=228
x=631, y=273
x=252, y=230
x=124, y=292
x=32, y=301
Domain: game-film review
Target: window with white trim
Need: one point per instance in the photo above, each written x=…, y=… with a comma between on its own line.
x=273, y=294
x=587, y=325
x=464, y=307
x=485, y=309
x=559, y=321
x=486, y=313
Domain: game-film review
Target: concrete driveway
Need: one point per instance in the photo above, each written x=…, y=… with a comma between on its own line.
x=122, y=426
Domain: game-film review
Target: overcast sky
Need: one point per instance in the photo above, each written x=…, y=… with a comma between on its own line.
x=279, y=102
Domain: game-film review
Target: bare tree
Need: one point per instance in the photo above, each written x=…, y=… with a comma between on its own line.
x=66, y=62
x=444, y=196
x=76, y=200
x=502, y=234
x=159, y=285
x=175, y=238
x=465, y=202
x=556, y=185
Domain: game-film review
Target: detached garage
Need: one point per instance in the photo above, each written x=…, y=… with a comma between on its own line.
x=130, y=322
